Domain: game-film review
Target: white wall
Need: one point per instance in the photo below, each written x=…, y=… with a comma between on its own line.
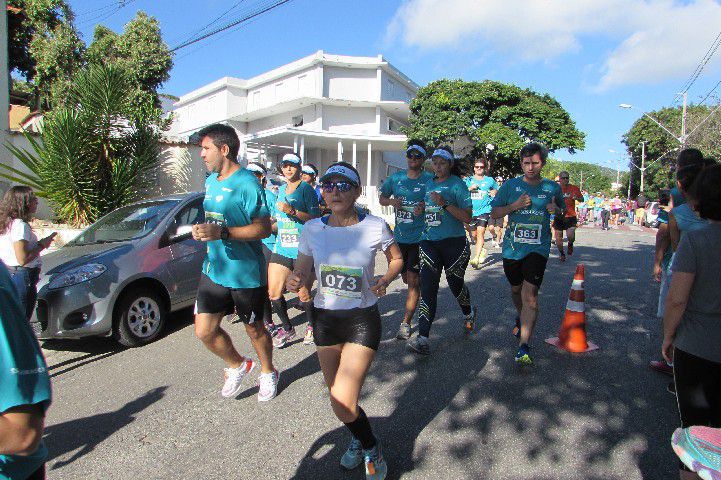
x=310, y=120
x=350, y=120
x=350, y=83
x=393, y=90
x=181, y=170
x=300, y=84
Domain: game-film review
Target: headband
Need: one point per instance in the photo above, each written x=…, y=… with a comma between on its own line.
x=343, y=171
x=439, y=152
x=291, y=158
x=254, y=167
x=417, y=148
x=309, y=170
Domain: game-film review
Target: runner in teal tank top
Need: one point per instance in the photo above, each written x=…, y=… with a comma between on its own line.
x=297, y=203
x=483, y=188
x=529, y=201
x=403, y=191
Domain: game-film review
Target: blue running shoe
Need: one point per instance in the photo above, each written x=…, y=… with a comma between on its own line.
x=524, y=355
x=352, y=457
x=470, y=320
x=376, y=466
x=699, y=448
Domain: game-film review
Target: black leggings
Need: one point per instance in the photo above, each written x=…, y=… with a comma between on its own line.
x=698, y=390
x=451, y=254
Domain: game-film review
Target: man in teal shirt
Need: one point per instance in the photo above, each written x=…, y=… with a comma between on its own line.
x=482, y=188
x=24, y=390
x=403, y=191
x=234, y=276
x=529, y=201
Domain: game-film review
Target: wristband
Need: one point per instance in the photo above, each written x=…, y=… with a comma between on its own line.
x=293, y=212
x=445, y=206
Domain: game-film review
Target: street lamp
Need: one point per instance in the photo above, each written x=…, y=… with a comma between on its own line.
x=680, y=139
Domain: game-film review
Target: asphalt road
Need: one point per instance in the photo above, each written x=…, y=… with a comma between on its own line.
x=465, y=412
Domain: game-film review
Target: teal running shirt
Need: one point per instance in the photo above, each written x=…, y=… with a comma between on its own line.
x=439, y=223
x=304, y=199
x=481, y=197
x=408, y=227
x=270, y=199
x=529, y=229
x=23, y=374
x=234, y=202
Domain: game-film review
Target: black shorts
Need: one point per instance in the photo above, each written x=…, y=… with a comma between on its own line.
x=698, y=390
x=564, y=223
x=248, y=303
x=481, y=220
x=361, y=326
x=497, y=222
x=287, y=262
x=411, y=258
x=530, y=269
x=267, y=253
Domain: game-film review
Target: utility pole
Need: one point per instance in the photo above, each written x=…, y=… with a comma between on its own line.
x=643, y=159
x=683, y=123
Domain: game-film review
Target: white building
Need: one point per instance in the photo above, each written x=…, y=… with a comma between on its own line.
x=325, y=107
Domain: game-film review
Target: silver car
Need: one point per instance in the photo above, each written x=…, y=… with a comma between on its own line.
x=124, y=274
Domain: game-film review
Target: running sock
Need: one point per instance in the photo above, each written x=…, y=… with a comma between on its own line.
x=267, y=312
x=309, y=312
x=281, y=308
x=360, y=428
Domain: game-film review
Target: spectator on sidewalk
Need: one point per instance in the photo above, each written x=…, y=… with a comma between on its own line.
x=19, y=246
x=25, y=392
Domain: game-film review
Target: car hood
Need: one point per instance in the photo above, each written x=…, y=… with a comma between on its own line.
x=71, y=256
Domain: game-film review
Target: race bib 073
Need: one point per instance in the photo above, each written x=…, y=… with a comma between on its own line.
x=341, y=281
x=527, y=233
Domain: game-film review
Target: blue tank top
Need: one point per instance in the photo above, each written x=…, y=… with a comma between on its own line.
x=686, y=219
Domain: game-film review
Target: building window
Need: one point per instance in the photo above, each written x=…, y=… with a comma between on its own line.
x=394, y=125
x=256, y=99
x=298, y=121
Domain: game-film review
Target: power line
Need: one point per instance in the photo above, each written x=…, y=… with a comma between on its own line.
x=212, y=22
x=105, y=15
x=709, y=93
x=238, y=21
x=697, y=72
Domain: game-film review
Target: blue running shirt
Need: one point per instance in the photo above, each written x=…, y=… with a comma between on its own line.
x=23, y=374
x=529, y=229
x=234, y=202
x=440, y=223
x=481, y=197
x=303, y=199
x=408, y=227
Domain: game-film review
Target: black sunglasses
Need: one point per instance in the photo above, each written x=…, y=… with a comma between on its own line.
x=479, y=166
x=341, y=186
x=415, y=155
x=563, y=178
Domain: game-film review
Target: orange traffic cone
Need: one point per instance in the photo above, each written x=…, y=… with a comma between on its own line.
x=572, y=336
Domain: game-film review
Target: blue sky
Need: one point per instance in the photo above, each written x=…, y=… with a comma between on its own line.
x=591, y=55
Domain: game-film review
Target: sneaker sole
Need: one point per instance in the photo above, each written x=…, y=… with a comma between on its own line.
x=348, y=469
x=694, y=465
x=418, y=351
x=240, y=385
x=277, y=380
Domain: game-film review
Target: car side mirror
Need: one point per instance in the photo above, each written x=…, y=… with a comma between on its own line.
x=183, y=232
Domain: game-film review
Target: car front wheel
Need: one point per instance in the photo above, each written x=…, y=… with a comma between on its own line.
x=139, y=318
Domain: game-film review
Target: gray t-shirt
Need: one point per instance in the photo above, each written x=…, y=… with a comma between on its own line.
x=700, y=330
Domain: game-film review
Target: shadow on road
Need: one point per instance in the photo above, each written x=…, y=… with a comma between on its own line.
x=603, y=414
x=86, y=433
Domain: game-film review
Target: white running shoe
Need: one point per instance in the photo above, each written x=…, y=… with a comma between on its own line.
x=234, y=378
x=268, y=386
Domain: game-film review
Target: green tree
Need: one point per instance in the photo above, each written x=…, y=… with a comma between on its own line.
x=140, y=51
x=97, y=153
x=662, y=148
x=491, y=112
x=44, y=46
x=584, y=175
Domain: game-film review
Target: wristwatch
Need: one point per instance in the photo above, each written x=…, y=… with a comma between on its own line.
x=293, y=212
x=445, y=206
x=224, y=233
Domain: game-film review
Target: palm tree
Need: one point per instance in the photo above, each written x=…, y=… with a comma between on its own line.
x=98, y=152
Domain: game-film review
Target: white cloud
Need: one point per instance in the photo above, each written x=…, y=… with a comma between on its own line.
x=651, y=40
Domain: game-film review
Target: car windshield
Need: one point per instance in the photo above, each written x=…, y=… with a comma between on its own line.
x=126, y=223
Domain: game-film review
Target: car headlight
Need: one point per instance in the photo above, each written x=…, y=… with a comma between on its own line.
x=77, y=275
